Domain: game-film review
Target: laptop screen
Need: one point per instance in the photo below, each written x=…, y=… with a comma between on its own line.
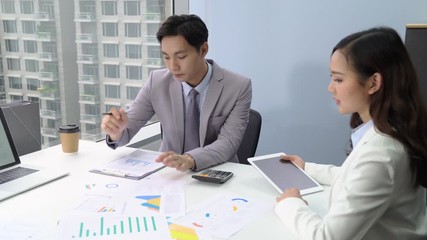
x=8, y=154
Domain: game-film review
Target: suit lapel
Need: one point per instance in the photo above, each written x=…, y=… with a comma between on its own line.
x=175, y=91
x=214, y=92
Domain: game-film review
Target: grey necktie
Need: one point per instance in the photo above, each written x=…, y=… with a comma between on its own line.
x=192, y=122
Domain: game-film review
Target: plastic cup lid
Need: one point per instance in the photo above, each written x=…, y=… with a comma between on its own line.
x=69, y=128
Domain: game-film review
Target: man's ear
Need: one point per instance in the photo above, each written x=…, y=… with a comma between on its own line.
x=204, y=49
x=375, y=83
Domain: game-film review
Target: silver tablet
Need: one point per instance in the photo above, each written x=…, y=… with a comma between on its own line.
x=284, y=174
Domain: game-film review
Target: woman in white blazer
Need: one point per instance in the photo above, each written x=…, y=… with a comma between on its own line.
x=379, y=191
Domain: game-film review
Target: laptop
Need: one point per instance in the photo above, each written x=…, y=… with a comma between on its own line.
x=15, y=177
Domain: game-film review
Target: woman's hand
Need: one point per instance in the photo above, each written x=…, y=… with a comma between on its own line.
x=295, y=159
x=290, y=192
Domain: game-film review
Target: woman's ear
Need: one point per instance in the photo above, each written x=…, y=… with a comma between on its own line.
x=375, y=81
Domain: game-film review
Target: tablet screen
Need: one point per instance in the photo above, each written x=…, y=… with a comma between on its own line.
x=284, y=174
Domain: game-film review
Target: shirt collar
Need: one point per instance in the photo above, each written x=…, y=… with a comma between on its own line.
x=201, y=87
x=358, y=132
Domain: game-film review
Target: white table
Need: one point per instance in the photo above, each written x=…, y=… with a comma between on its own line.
x=50, y=201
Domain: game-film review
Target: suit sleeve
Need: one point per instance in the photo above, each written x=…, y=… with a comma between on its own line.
x=139, y=113
x=324, y=174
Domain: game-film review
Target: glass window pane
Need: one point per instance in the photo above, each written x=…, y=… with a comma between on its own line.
x=9, y=26
x=134, y=72
x=33, y=84
x=27, y=7
x=111, y=50
x=112, y=91
x=12, y=45
x=7, y=6
x=133, y=51
x=29, y=27
x=132, y=29
x=109, y=8
x=131, y=92
x=32, y=65
x=15, y=83
x=30, y=46
x=13, y=64
x=132, y=8
x=111, y=71
x=110, y=29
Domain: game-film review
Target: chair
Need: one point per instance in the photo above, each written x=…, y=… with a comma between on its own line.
x=249, y=142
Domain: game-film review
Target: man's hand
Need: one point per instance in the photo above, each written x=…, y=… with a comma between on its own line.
x=180, y=162
x=115, y=123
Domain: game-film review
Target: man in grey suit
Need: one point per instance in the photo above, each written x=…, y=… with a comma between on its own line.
x=222, y=103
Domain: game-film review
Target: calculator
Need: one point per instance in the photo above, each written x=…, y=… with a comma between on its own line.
x=213, y=176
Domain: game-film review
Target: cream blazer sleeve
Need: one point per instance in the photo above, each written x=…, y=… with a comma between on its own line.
x=372, y=197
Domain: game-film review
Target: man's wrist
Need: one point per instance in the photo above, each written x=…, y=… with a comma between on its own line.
x=192, y=163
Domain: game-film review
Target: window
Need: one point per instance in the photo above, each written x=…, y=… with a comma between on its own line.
x=109, y=8
x=131, y=92
x=38, y=61
x=9, y=26
x=13, y=64
x=33, y=99
x=111, y=71
x=27, y=7
x=33, y=84
x=7, y=6
x=111, y=50
x=133, y=51
x=132, y=29
x=32, y=65
x=92, y=109
x=110, y=29
x=134, y=72
x=132, y=8
x=30, y=46
x=112, y=91
x=29, y=27
x=15, y=82
x=12, y=45
x=16, y=98
x=108, y=107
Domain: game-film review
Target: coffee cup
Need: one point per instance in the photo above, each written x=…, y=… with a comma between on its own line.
x=69, y=135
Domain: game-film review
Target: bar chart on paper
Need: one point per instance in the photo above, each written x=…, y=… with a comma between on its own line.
x=114, y=227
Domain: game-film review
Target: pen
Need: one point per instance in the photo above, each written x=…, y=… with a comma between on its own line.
x=107, y=113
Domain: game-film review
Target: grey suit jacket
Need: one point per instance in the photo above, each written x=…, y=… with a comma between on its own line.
x=223, y=120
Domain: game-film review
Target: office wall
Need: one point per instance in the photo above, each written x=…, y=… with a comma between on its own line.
x=284, y=47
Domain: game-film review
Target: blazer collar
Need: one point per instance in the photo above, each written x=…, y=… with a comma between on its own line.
x=214, y=92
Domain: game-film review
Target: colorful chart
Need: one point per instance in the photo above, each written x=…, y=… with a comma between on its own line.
x=152, y=202
x=179, y=232
x=106, y=227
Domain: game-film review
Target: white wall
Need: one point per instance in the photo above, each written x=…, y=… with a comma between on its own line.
x=284, y=47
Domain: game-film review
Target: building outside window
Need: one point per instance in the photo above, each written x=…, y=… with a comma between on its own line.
x=15, y=82
x=27, y=6
x=29, y=27
x=9, y=26
x=133, y=51
x=12, y=45
x=30, y=46
x=132, y=8
x=111, y=50
x=79, y=64
x=7, y=6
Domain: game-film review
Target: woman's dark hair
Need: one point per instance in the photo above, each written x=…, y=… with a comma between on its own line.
x=397, y=108
x=191, y=27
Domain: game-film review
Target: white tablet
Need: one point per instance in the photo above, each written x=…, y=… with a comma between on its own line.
x=284, y=174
